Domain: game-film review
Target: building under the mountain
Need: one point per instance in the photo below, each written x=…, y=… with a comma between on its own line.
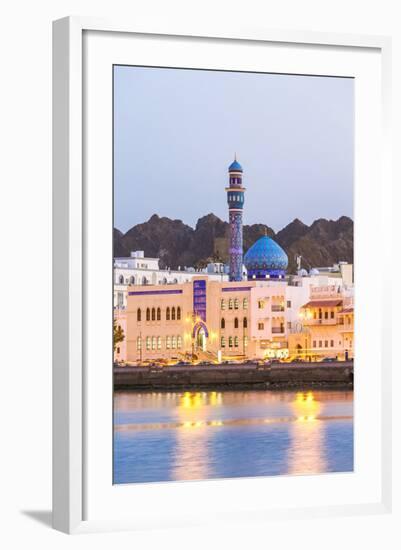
x=206, y=317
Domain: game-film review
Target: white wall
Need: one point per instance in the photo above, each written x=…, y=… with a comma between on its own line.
x=25, y=227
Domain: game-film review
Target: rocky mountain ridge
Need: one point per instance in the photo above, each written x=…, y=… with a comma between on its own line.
x=322, y=243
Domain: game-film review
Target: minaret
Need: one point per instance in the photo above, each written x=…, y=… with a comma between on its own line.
x=235, y=199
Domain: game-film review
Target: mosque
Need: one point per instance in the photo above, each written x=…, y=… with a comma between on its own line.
x=253, y=313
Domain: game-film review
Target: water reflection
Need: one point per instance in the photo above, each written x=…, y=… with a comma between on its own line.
x=203, y=435
x=191, y=458
x=307, y=453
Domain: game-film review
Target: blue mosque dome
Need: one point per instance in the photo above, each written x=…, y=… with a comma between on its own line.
x=235, y=167
x=266, y=260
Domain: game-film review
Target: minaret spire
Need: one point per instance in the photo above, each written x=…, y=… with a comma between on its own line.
x=235, y=198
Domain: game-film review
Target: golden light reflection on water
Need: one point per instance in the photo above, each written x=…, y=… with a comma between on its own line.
x=203, y=429
x=306, y=454
x=191, y=460
x=195, y=400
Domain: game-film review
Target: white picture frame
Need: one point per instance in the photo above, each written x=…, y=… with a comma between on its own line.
x=71, y=337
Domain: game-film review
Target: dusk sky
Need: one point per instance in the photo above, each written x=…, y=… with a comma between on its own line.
x=176, y=132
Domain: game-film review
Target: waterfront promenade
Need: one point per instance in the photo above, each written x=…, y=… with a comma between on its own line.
x=339, y=374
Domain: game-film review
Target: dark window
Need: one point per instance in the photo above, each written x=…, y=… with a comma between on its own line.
x=223, y=323
x=147, y=314
x=173, y=313
x=159, y=314
x=168, y=314
x=332, y=314
x=178, y=313
x=326, y=314
x=245, y=322
x=138, y=314
x=153, y=314
x=236, y=322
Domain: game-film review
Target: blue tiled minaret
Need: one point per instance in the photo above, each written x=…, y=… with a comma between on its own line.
x=235, y=199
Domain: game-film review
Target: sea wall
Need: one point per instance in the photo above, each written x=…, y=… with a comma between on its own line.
x=244, y=376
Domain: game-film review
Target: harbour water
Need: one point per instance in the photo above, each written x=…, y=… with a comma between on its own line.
x=171, y=436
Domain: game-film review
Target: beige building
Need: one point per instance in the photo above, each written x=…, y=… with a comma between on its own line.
x=209, y=320
x=327, y=321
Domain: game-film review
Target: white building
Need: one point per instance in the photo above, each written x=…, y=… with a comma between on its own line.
x=138, y=270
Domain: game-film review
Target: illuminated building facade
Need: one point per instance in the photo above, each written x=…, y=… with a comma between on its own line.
x=328, y=321
x=211, y=320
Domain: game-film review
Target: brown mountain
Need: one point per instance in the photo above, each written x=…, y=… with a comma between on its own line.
x=176, y=244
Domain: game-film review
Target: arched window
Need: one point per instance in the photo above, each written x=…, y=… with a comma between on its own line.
x=179, y=342
x=245, y=303
x=168, y=342
x=236, y=341
x=236, y=322
x=178, y=314
x=138, y=314
x=230, y=303
x=144, y=281
x=320, y=313
x=223, y=304
x=236, y=303
x=223, y=323
x=153, y=314
x=147, y=314
x=168, y=314
x=175, y=281
x=245, y=322
x=173, y=313
x=139, y=343
x=164, y=281
x=132, y=280
x=223, y=342
x=159, y=342
x=153, y=342
x=230, y=342
x=159, y=314
x=121, y=280
x=173, y=342
x=147, y=342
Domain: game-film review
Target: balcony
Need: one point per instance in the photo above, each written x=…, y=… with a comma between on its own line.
x=346, y=327
x=278, y=330
x=322, y=322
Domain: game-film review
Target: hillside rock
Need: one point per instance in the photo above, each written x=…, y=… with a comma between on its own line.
x=323, y=243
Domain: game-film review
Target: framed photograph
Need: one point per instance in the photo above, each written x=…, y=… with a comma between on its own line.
x=220, y=209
